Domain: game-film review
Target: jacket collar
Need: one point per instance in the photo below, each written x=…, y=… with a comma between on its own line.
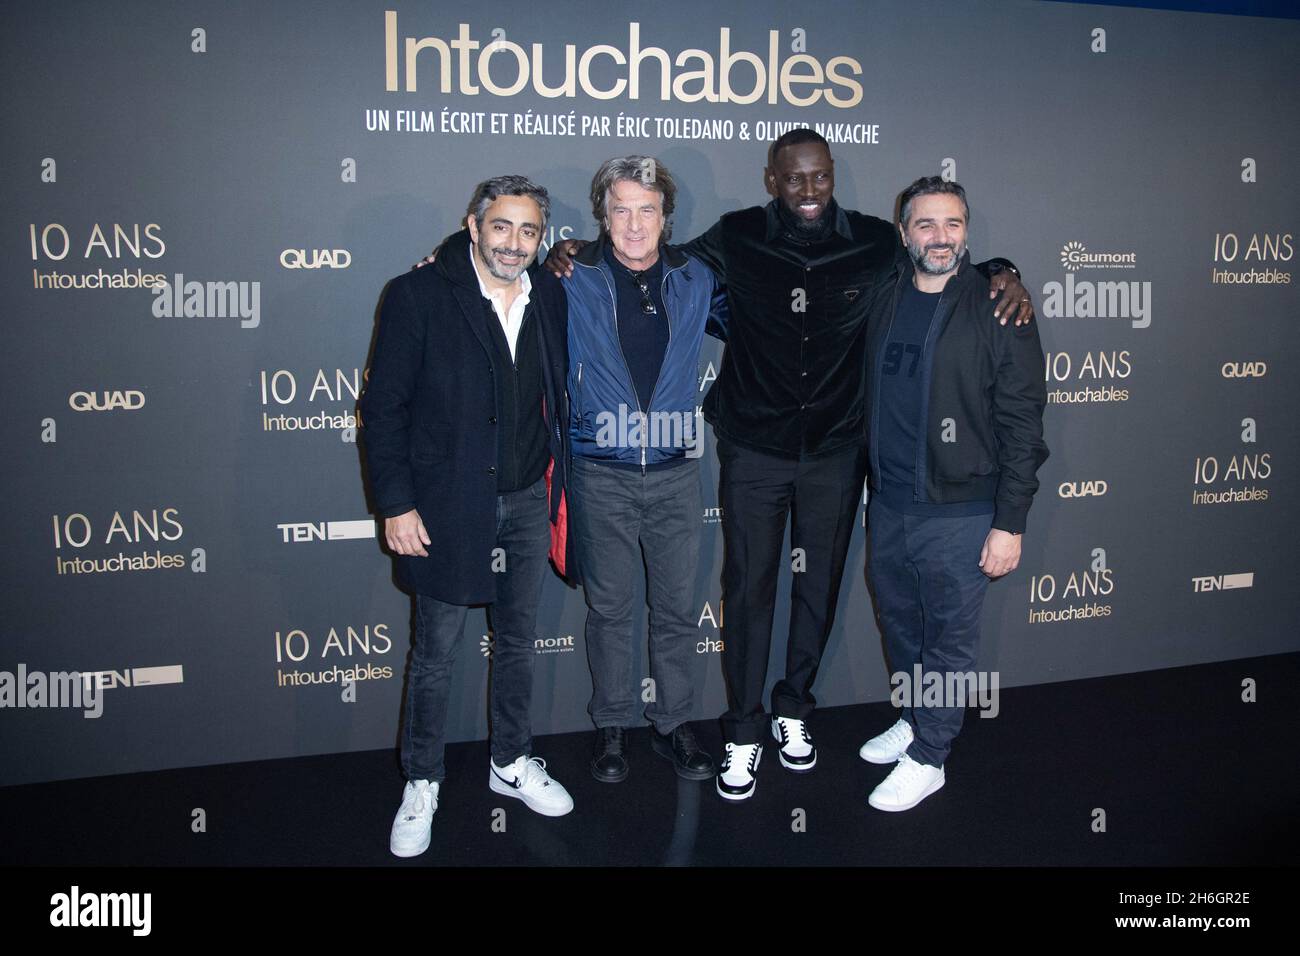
x=593, y=254
x=775, y=227
x=455, y=266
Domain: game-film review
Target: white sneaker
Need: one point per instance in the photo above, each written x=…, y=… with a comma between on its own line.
x=797, y=752
x=736, y=778
x=526, y=779
x=889, y=746
x=907, y=785
x=414, y=820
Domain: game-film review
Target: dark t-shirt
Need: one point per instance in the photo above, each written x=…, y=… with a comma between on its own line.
x=643, y=336
x=903, y=372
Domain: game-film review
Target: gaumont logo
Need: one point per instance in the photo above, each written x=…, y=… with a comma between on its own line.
x=315, y=258
x=553, y=645
x=297, y=532
x=1082, y=489
x=1224, y=582
x=106, y=401
x=1075, y=256
x=1086, y=299
x=464, y=65
x=1244, y=369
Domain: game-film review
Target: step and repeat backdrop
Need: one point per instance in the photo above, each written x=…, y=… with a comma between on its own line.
x=204, y=201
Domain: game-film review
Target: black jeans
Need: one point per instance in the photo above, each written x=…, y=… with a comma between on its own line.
x=620, y=518
x=523, y=533
x=757, y=492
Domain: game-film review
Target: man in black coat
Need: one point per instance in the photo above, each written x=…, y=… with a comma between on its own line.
x=461, y=421
x=955, y=410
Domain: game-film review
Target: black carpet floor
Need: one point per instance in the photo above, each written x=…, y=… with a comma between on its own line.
x=1179, y=768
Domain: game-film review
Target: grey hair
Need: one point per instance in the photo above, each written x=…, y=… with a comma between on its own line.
x=929, y=186
x=490, y=190
x=645, y=171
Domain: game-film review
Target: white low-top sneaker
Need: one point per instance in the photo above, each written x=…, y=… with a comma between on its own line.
x=736, y=778
x=414, y=820
x=526, y=779
x=889, y=746
x=797, y=752
x=907, y=785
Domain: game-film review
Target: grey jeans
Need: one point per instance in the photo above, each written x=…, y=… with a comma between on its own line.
x=622, y=519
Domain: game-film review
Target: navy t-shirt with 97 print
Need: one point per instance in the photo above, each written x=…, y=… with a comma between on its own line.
x=902, y=372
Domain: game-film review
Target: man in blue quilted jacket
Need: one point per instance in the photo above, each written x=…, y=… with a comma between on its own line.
x=637, y=311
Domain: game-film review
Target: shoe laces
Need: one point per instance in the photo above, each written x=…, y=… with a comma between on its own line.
x=534, y=771
x=423, y=794
x=789, y=724
x=684, y=737
x=896, y=734
x=907, y=769
x=733, y=749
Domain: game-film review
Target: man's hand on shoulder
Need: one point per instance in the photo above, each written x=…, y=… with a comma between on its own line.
x=405, y=534
x=1015, y=299
x=427, y=260
x=559, y=261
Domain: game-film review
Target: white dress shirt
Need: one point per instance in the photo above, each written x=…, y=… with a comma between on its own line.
x=512, y=321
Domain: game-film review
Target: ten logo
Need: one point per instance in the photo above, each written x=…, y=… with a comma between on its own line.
x=1224, y=582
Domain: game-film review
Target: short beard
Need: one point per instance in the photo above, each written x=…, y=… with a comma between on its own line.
x=807, y=229
x=919, y=254
x=489, y=260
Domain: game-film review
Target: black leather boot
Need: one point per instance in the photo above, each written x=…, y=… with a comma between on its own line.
x=608, y=765
x=681, y=747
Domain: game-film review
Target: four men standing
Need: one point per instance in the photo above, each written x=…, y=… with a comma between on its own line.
x=607, y=414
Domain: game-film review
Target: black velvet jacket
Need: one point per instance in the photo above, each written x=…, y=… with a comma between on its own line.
x=793, y=376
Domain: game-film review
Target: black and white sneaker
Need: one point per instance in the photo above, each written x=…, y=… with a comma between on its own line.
x=797, y=752
x=736, y=778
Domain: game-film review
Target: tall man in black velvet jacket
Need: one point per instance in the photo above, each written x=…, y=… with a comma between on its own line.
x=788, y=413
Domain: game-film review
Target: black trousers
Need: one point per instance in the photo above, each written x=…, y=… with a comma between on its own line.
x=757, y=493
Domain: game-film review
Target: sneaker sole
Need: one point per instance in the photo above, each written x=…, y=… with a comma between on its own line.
x=797, y=767
x=406, y=854
x=882, y=760
x=933, y=788
x=606, y=778
x=734, y=797
x=508, y=791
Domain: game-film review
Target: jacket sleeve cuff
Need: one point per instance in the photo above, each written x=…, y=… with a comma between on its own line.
x=1009, y=516
x=392, y=511
x=995, y=265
